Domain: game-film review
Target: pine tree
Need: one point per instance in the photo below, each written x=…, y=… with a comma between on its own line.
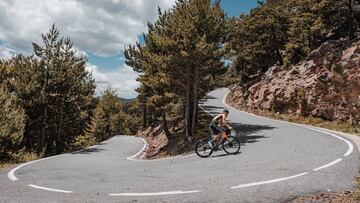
x=24, y=81
x=66, y=90
x=314, y=22
x=12, y=124
x=109, y=118
x=304, y=36
x=182, y=49
x=55, y=91
x=256, y=41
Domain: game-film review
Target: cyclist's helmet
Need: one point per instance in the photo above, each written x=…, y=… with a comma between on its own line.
x=226, y=111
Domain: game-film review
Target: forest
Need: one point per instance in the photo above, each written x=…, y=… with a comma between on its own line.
x=48, y=104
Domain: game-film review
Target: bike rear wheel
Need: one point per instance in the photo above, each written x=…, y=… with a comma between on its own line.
x=231, y=145
x=203, y=149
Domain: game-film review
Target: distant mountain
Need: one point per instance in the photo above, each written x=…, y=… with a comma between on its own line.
x=126, y=100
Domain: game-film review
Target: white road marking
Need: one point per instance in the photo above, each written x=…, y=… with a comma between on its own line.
x=269, y=181
x=155, y=193
x=12, y=177
x=106, y=141
x=350, y=145
x=135, y=155
x=347, y=153
x=50, y=189
x=328, y=165
x=206, y=110
x=11, y=173
x=133, y=158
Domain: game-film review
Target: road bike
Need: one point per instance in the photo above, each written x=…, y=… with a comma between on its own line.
x=229, y=143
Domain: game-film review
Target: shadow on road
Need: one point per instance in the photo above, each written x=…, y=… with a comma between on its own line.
x=88, y=151
x=245, y=132
x=213, y=109
x=225, y=154
x=208, y=97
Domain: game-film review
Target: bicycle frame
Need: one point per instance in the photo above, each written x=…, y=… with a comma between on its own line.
x=204, y=148
x=224, y=136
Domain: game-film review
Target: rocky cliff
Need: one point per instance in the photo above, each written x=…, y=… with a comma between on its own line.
x=327, y=85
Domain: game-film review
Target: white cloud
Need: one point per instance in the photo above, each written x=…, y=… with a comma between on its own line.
x=6, y=53
x=101, y=27
x=123, y=80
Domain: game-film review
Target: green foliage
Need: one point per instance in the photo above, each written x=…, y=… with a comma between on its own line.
x=109, y=119
x=47, y=98
x=12, y=123
x=314, y=22
x=55, y=91
x=181, y=56
x=255, y=41
x=285, y=32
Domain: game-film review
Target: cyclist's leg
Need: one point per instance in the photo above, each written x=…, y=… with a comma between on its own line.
x=217, y=133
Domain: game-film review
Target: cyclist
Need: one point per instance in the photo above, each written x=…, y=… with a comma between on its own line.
x=216, y=125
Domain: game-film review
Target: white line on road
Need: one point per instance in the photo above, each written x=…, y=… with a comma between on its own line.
x=350, y=145
x=269, y=181
x=106, y=141
x=11, y=174
x=155, y=193
x=50, y=189
x=347, y=153
x=135, y=155
x=328, y=165
x=206, y=111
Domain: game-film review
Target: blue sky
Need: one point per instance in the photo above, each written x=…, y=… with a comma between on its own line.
x=99, y=30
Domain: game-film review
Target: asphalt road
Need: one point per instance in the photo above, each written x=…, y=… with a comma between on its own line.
x=278, y=161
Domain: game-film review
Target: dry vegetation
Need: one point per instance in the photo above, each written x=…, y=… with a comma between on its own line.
x=19, y=158
x=317, y=122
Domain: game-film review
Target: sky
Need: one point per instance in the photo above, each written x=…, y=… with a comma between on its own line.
x=99, y=29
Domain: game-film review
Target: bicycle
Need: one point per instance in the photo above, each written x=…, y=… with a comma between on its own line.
x=229, y=143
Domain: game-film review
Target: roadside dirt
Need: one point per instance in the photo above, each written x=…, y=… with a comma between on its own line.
x=340, y=197
x=5, y=166
x=160, y=146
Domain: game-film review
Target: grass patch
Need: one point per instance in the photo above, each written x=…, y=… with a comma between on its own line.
x=6, y=165
x=19, y=158
x=26, y=157
x=357, y=192
x=345, y=127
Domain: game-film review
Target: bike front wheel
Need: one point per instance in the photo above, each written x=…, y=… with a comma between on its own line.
x=231, y=145
x=203, y=149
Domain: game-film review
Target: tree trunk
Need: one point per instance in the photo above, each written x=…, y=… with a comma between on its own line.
x=165, y=125
x=350, y=20
x=195, y=99
x=58, y=145
x=280, y=58
x=188, y=107
x=43, y=128
x=45, y=112
x=144, y=115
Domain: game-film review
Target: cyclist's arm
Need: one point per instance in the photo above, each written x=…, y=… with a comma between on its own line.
x=223, y=122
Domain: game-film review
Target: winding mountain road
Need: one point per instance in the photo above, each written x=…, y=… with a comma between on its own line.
x=278, y=161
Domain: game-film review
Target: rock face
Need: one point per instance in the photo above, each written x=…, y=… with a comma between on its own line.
x=327, y=85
